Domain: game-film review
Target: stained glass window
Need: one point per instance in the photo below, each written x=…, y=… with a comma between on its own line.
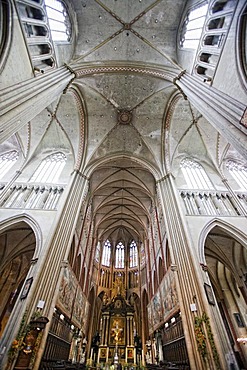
x=106, y=255
x=133, y=254
x=97, y=252
x=119, y=262
x=143, y=256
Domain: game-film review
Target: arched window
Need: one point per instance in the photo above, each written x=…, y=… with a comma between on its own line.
x=195, y=175
x=242, y=44
x=106, y=255
x=97, y=252
x=192, y=27
x=59, y=21
x=119, y=261
x=143, y=256
x=133, y=254
x=239, y=173
x=49, y=169
x=7, y=160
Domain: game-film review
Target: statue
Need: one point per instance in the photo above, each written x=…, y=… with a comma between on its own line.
x=118, y=287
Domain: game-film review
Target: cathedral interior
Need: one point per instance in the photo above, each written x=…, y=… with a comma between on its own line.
x=123, y=184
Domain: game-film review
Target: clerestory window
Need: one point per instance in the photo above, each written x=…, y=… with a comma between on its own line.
x=239, y=173
x=97, y=252
x=106, y=254
x=142, y=255
x=59, y=21
x=119, y=261
x=192, y=27
x=195, y=175
x=7, y=160
x=133, y=254
x=49, y=169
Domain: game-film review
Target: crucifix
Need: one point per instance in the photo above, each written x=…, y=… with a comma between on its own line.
x=116, y=334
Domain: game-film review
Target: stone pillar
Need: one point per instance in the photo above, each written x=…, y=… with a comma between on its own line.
x=236, y=200
x=20, y=103
x=223, y=112
x=58, y=250
x=55, y=256
x=189, y=281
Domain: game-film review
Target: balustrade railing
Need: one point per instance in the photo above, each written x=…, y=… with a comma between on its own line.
x=31, y=196
x=214, y=203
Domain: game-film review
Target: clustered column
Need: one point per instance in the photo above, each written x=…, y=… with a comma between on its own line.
x=223, y=112
x=20, y=103
x=189, y=283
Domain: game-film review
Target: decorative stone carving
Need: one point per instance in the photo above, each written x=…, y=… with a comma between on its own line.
x=124, y=117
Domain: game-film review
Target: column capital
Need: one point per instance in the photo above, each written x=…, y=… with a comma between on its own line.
x=165, y=178
x=81, y=174
x=64, y=263
x=20, y=103
x=177, y=78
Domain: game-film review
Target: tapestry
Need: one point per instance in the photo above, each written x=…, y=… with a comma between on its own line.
x=156, y=309
x=67, y=292
x=79, y=305
x=169, y=293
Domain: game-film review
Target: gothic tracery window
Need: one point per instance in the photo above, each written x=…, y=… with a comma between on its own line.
x=97, y=252
x=192, y=27
x=195, y=175
x=106, y=254
x=7, y=160
x=133, y=254
x=49, y=169
x=59, y=22
x=239, y=173
x=119, y=261
x=142, y=255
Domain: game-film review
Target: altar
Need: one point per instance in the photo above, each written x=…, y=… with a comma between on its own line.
x=117, y=332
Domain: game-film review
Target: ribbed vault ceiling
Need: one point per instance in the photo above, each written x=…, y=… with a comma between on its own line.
x=134, y=41
x=122, y=198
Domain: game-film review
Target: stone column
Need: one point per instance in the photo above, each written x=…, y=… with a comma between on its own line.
x=223, y=112
x=55, y=256
x=189, y=281
x=236, y=200
x=58, y=250
x=20, y=103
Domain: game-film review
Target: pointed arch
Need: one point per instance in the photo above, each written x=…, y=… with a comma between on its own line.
x=49, y=169
x=232, y=230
